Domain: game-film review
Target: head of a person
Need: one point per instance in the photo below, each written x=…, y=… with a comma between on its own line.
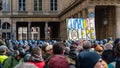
x=117, y=50
x=86, y=44
x=25, y=65
x=49, y=49
x=58, y=48
x=44, y=48
x=2, y=42
x=116, y=41
x=108, y=46
x=36, y=51
x=98, y=49
x=36, y=55
x=90, y=60
x=3, y=50
x=19, y=53
x=58, y=61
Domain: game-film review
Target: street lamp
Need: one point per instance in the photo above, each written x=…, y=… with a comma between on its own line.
x=105, y=22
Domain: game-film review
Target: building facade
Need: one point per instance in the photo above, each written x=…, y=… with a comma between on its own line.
x=46, y=19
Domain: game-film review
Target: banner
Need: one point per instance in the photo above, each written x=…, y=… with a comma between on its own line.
x=80, y=28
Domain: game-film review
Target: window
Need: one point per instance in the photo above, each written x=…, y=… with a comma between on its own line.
x=53, y=5
x=6, y=25
x=22, y=33
x=21, y=5
x=24, y=36
x=5, y=5
x=35, y=36
x=6, y=35
x=35, y=33
x=37, y=5
x=0, y=4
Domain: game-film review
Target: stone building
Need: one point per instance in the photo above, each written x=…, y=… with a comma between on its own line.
x=46, y=19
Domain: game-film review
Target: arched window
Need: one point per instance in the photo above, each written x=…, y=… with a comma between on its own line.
x=6, y=35
x=6, y=25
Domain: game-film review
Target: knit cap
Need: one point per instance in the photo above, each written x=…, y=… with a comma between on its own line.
x=88, y=59
x=58, y=61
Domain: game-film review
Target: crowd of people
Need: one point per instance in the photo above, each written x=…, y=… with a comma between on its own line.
x=60, y=54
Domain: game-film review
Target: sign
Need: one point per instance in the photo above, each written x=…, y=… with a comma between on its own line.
x=80, y=28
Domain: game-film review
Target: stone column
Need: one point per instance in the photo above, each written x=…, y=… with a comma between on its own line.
x=46, y=33
x=29, y=30
x=83, y=14
x=118, y=21
x=14, y=30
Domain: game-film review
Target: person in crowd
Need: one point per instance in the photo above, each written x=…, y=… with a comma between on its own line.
x=89, y=60
x=3, y=56
x=44, y=49
x=72, y=57
x=2, y=42
x=98, y=49
x=108, y=54
x=86, y=45
x=25, y=65
x=49, y=53
x=116, y=49
x=105, y=64
x=59, y=60
x=36, y=57
x=110, y=40
x=17, y=58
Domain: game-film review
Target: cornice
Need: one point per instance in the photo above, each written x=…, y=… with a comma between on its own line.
x=77, y=2
x=30, y=16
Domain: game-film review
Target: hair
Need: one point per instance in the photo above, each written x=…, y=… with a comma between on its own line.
x=25, y=65
x=86, y=44
x=36, y=51
x=20, y=52
x=105, y=64
x=117, y=40
x=58, y=48
x=43, y=48
x=117, y=50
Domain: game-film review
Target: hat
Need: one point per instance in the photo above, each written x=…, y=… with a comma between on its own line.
x=2, y=49
x=58, y=61
x=88, y=59
x=108, y=46
x=49, y=47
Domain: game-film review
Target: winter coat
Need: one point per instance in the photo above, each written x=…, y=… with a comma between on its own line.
x=108, y=56
x=11, y=62
x=2, y=58
x=37, y=60
x=39, y=64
